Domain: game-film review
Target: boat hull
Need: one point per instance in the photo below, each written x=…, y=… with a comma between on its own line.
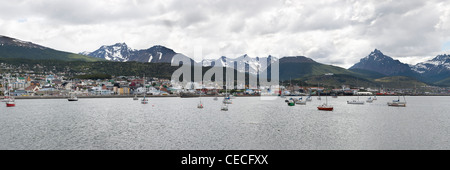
x=355, y=102
x=397, y=104
x=325, y=108
x=72, y=100
x=10, y=105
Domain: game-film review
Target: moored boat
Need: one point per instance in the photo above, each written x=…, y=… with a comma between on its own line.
x=355, y=102
x=11, y=102
x=398, y=103
x=325, y=106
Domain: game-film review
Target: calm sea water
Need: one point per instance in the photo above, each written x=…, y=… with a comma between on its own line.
x=174, y=123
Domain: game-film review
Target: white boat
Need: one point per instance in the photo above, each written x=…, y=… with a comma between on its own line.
x=369, y=100
x=398, y=103
x=309, y=99
x=375, y=98
x=224, y=107
x=300, y=102
x=73, y=98
x=227, y=101
x=355, y=102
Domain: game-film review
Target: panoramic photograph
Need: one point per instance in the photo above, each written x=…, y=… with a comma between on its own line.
x=224, y=75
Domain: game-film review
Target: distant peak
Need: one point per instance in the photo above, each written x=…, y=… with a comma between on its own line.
x=120, y=44
x=376, y=51
x=442, y=57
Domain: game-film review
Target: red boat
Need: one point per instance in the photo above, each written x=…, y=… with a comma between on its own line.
x=325, y=108
x=10, y=103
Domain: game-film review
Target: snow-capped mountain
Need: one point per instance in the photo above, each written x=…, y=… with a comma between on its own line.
x=435, y=69
x=122, y=53
x=376, y=61
x=438, y=64
x=117, y=52
x=243, y=63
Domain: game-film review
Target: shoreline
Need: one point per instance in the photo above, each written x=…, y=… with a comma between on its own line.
x=176, y=96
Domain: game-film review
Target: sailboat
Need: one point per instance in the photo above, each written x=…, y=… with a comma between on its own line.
x=300, y=101
x=144, y=100
x=200, y=105
x=72, y=98
x=398, y=103
x=227, y=98
x=10, y=101
x=356, y=101
x=325, y=106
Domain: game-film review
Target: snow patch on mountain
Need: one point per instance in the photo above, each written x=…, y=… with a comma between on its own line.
x=243, y=63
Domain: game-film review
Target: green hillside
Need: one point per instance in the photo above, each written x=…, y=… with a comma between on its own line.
x=399, y=82
x=18, y=52
x=445, y=82
x=301, y=70
x=337, y=80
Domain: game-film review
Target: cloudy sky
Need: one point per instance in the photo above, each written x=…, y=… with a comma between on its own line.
x=329, y=31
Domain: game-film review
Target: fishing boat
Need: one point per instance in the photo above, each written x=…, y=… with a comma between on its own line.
x=325, y=106
x=398, y=103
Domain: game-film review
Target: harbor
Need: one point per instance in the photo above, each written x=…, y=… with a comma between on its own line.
x=250, y=123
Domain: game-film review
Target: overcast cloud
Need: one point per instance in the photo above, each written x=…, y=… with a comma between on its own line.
x=332, y=32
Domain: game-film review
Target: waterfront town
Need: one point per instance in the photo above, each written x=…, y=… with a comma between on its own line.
x=54, y=85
